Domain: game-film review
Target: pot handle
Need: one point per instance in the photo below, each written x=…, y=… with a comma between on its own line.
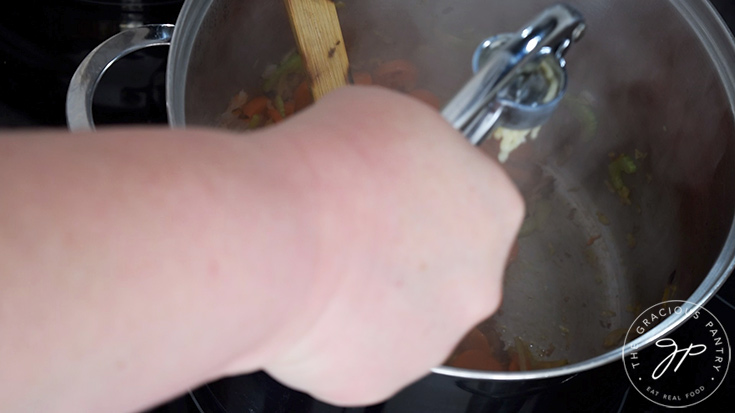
x=84, y=82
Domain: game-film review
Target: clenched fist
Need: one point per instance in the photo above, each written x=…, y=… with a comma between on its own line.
x=414, y=230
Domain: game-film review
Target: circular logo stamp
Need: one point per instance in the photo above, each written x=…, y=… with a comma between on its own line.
x=683, y=368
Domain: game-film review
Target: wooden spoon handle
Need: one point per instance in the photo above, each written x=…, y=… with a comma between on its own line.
x=319, y=37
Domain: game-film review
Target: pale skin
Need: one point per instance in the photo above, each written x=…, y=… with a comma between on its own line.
x=345, y=252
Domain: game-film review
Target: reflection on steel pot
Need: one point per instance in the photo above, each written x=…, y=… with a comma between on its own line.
x=627, y=186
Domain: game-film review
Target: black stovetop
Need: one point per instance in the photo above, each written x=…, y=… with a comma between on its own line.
x=41, y=44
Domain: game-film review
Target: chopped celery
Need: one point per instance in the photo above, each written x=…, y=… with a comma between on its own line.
x=292, y=64
x=622, y=164
x=255, y=121
x=280, y=106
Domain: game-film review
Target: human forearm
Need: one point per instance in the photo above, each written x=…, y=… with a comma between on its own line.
x=344, y=251
x=101, y=229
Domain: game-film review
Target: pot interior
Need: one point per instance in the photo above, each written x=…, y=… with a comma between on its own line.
x=641, y=86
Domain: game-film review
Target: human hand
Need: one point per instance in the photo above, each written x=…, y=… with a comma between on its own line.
x=415, y=229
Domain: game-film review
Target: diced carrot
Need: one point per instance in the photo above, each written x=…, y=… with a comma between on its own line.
x=362, y=78
x=257, y=106
x=593, y=238
x=476, y=360
x=397, y=75
x=515, y=364
x=289, y=107
x=474, y=340
x=493, y=338
x=302, y=96
x=513, y=255
x=427, y=97
x=274, y=115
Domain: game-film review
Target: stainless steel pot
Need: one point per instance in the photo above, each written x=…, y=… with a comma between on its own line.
x=653, y=80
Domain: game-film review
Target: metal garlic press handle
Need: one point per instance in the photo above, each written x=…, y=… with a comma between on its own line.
x=476, y=110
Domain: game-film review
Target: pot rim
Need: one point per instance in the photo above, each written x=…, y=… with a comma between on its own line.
x=187, y=27
x=717, y=40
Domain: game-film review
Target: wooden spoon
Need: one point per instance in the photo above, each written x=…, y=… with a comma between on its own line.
x=319, y=38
